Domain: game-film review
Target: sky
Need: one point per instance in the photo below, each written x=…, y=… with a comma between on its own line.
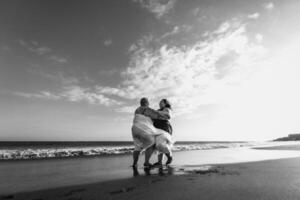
x=75, y=70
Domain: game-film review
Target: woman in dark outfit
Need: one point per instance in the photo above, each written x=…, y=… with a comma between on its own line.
x=164, y=124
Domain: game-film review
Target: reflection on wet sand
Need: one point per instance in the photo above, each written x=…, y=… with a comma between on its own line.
x=177, y=170
x=161, y=170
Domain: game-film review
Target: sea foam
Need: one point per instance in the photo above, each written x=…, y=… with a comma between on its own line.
x=63, y=152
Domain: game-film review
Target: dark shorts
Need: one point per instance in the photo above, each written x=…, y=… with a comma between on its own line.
x=164, y=125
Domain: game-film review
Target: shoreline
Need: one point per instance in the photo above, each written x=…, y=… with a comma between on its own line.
x=177, y=172
x=62, y=152
x=214, y=182
x=32, y=154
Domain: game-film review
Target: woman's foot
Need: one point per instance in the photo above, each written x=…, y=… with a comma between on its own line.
x=148, y=165
x=133, y=165
x=157, y=164
x=135, y=171
x=170, y=159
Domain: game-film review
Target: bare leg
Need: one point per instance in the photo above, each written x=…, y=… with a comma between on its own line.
x=135, y=171
x=160, y=158
x=148, y=154
x=170, y=158
x=135, y=157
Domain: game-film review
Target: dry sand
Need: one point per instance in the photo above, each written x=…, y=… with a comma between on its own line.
x=273, y=179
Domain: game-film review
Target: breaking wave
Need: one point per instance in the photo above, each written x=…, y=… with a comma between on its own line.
x=63, y=152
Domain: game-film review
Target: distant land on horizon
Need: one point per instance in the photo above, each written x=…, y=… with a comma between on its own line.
x=290, y=137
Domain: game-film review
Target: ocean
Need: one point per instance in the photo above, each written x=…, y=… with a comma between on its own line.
x=65, y=149
x=31, y=166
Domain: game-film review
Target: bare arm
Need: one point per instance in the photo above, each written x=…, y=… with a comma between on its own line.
x=166, y=113
x=153, y=114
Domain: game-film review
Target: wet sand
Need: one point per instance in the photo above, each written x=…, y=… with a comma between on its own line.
x=271, y=179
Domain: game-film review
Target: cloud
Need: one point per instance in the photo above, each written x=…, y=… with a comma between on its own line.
x=158, y=7
x=70, y=90
x=254, y=16
x=73, y=94
x=195, y=11
x=126, y=109
x=268, y=5
x=111, y=91
x=107, y=42
x=57, y=77
x=58, y=59
x=42, y=95
x=174, y=31
x=223, y=28
x=77, y=94
x=41, y=50
x=259, y=37
x=189, y=76
x=35, y=47
x=145, y=41
x=108, y=72
x=132, y=48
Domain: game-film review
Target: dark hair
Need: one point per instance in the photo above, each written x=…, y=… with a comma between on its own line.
x=167, y=103
x=144, y=101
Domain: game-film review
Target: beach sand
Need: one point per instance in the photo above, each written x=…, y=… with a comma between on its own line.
x=270, y=179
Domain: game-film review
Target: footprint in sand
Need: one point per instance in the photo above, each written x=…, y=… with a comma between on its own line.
x=74, y=191
x=8, y=197
x=75, y=198
x=191, y=178
x=156, y=180
x=206, y=171
x=123, y=190
x=230, y=173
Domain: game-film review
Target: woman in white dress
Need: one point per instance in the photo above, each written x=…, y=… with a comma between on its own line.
x=145, y=135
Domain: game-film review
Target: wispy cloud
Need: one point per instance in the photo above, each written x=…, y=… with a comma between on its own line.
x=73, y=94
x=189, y=76
x=35, y=47
x=112, y=91
x=174, y=31
x=126, y=109
x=70, y=89
x=42, y=95
x=141, y=43
x=223, y=28
x=158, y=7
x=268, y=6
x=107, y=42
x=57, y=77
x=195, y=11
x=42, y=50
x=58, y=59
x=107, y=72
x=254, y=16
x=77, y=94
x=259, y=37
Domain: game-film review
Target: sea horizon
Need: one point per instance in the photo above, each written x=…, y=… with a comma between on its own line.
x=33, y=150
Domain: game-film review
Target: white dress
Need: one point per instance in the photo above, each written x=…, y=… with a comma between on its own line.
x=145, y=135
